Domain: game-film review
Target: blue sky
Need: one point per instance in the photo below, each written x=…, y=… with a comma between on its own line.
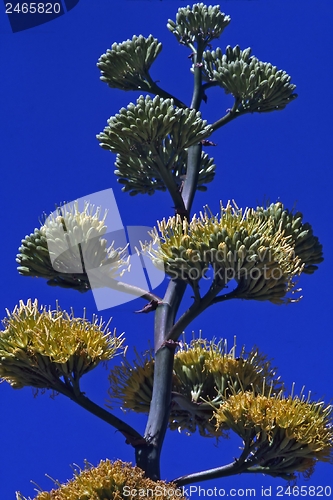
x=53, y=105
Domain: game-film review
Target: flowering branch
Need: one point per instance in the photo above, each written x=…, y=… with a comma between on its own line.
x=205, y=475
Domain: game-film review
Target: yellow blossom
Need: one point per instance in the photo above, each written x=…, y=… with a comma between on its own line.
x=39, y=346
x=109, y=480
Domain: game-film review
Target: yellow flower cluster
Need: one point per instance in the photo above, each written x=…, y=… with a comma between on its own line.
x=261, y=249
x=110, y=480
x=281, y=435
x=39, y=346
x=205, y=374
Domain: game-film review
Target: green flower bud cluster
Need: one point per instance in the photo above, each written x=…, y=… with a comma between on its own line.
x=256, y=85
x=246, y=247
x=109, y=480
x=148, y=122
x=281, y=435
x=150, y=138
x=67, y=245
x=126, y=65
x=44, y=348
x=199, y=23
x=307, y=246
x=138, y=176
x=205, y=374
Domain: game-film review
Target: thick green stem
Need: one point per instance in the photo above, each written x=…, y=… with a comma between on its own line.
x=131, y=434
x=169, y=182
x=209, y=84
x=236, y=467
x=224, y=120
x=167, y=310
x=148, y=456
x=192, y=175
x=197, y=92
x=194, y=152
x=237, y=110
x=226, y=296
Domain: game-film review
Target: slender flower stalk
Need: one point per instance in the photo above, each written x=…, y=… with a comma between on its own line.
x=158, y=416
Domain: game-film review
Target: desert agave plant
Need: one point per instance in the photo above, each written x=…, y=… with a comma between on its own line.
x=202, y=386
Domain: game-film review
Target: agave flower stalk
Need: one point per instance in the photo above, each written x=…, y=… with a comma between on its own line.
x=200, y=386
